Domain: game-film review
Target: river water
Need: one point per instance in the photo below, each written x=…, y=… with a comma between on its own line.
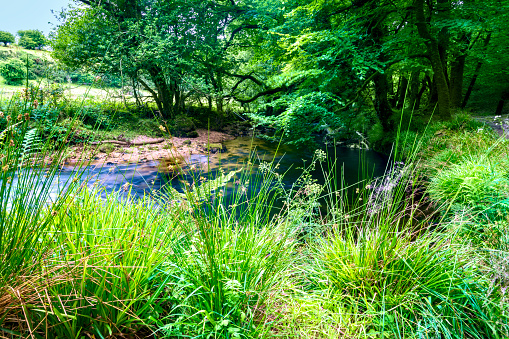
x=145, y=178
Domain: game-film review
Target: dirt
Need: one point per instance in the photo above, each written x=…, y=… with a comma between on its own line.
x=170, y=148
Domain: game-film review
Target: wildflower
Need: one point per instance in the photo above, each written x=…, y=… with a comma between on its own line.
x=203, y=179
x=27, y=116
x=8, y=118
x=5, y=168
x=54, y=213
x=243, y=189
x=9, y=180
x=357, y=190
x=161, y=127
x=20, y=116
x=125, y=186
x=11, y=143
x=152, y=182
x=36, y=103
x=320, y=155
x=264, y=167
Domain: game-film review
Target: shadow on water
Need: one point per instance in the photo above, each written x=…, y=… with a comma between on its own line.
x=149, y=177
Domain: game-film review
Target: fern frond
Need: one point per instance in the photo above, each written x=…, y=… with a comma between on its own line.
x=32, y=144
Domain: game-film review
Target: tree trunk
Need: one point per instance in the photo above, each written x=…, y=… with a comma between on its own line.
x=438, y=67
x=500, y=106
x=402, y=89
x=164, y=93
x=413, y=90
x=476, y=74
x=376, y=29
x=420, y=94
x=382, y=105
x=456, y=83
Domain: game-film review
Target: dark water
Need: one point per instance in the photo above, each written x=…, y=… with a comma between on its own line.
x=148, y=177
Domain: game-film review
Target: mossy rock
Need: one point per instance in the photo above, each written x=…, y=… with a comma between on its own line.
x=187, y=142
x=106, y=148
x=150, y=127
x=214, y=148
x=184, y=126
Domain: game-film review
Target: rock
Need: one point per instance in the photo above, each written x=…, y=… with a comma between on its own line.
x=192, y=134
x=214, y=148
x=183, y=126
x=187, y=142
x=106, y=148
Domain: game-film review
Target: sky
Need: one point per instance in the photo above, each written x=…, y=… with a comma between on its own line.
x=29, y=14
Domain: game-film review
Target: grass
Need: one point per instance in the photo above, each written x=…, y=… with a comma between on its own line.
x=198, y=263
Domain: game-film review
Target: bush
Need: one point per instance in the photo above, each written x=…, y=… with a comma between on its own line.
x=13, y=71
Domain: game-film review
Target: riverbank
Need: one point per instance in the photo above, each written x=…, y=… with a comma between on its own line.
x=143, y=148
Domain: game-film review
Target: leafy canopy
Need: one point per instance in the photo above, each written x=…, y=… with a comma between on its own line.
x=6, y=37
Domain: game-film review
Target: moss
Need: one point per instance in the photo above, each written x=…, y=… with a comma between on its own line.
x=106, y=148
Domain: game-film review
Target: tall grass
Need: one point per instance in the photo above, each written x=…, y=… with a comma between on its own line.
x=201, y=263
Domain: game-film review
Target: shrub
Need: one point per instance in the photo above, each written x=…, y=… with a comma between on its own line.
x=13, y=71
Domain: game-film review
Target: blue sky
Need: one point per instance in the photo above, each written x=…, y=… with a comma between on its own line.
x=29, y=14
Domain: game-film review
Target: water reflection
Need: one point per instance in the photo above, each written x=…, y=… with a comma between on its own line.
x=150, y=176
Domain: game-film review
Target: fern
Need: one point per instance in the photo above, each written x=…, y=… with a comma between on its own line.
x=205, y=190
x=32, y=144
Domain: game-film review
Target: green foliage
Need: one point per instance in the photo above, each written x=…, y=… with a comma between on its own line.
x=421, y=284
x=182, y=126
x=6, y=38
x=95, y=117
x=32, y=39
x=478, y=185
x=107, y=243
x=27, y=42
x=13, y=71
x=32, y=145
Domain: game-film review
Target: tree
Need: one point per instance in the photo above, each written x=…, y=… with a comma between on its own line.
x=27, y=42
x=173, y=49
x=32, y=39
x=6, y=38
